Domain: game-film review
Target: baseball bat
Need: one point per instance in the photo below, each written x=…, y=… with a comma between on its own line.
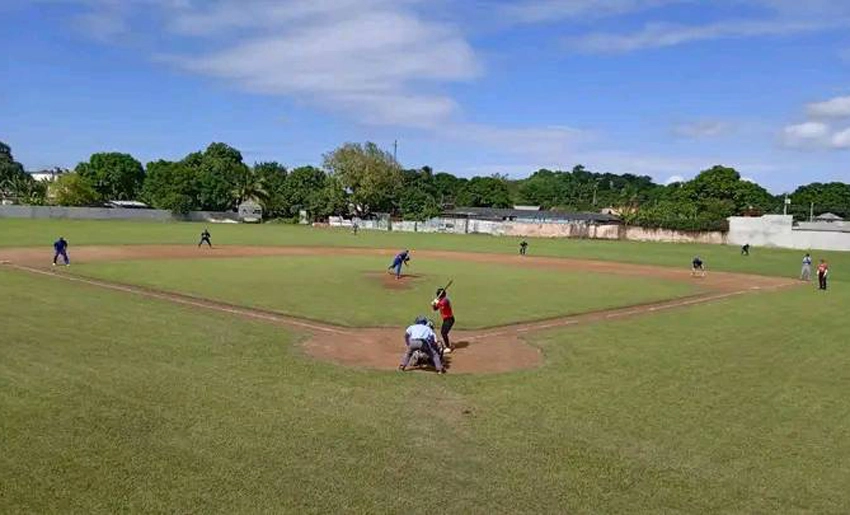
x=446, y=287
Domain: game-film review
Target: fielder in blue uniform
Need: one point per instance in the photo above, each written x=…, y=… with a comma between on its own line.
x=402, y=258
x=60, y=247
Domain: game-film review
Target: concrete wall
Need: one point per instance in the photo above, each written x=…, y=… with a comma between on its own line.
x=523, y=229
x=634, y=233
x=779, y=231
x=104, y=213
x=562, y=230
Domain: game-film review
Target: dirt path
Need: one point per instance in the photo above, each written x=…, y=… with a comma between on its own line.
x=489, y=351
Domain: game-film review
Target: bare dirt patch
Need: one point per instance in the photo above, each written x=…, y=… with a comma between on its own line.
x=494, y=350
x=389, y=281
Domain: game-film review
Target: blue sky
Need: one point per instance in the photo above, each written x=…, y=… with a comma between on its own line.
x=658, y=87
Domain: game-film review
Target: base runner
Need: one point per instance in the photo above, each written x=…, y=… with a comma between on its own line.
x=823, y=274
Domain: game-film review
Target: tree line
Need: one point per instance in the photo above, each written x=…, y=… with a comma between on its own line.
x=363, y=179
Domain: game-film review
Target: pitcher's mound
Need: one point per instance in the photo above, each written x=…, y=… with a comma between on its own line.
x=389, y=281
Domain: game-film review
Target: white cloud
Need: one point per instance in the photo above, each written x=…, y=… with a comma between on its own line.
x=702, y=129
x=673, y=179
x=841, y=140
x=660, y=35
x=542, y=11
x=806, y=135
x=838, y=107
x=214, y=18
x=376, y=61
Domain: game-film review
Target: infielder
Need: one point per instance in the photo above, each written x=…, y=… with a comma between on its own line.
x=697, y=267
x=444, y=305
x=402, y=258
x=745, y=250
x=205, y=238
x=806, y=272
x=60, y=248
x=422, y=338
x=523, y=248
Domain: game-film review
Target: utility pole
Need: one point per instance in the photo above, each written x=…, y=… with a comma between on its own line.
x=787, y=201
x=812, y=212
x=395, y=151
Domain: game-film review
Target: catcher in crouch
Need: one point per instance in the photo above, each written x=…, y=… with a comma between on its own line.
x=697, y=267
x=444, y=305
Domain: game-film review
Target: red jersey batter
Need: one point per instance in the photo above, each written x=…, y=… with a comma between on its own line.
x=444, y=305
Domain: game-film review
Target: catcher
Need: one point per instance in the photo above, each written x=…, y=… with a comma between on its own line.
x=420, y=338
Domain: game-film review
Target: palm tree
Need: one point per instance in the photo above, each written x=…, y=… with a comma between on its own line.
x=250, y=187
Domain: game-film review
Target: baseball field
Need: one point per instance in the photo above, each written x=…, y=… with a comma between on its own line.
x=260, y=375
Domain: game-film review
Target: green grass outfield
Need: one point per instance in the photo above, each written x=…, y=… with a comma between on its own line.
x=350, y=290
x=776, y=262
x=115, y=403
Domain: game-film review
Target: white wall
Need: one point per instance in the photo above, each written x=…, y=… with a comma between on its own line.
x=765, y=231
x=779, y=231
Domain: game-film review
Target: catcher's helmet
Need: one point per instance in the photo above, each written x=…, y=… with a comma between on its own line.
x=421, y=320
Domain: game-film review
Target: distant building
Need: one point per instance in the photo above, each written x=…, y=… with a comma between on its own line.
x=250, y=212
x=828, y=217
x=527, y=208
x=48, y=175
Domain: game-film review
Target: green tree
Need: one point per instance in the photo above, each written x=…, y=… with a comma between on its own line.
x=273, y=178
x=11, y=172
x=418, y=205
x=370, y=175
x=329, y=200
x=301, y=184
x=172, y=186
x=29, y=191
x=831, y=197
x=113, y=175
x=72, y=189
x=251, y=186
x=220, y=172
x=447, y=187
x=485, y=192
x=418, y=199
x=723, y=183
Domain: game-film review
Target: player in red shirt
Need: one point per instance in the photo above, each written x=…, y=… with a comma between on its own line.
x=823, y=273
x=444, y=305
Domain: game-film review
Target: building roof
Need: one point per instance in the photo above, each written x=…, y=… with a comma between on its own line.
x=488, y=213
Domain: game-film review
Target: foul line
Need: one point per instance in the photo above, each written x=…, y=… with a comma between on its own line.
x=186, y=300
